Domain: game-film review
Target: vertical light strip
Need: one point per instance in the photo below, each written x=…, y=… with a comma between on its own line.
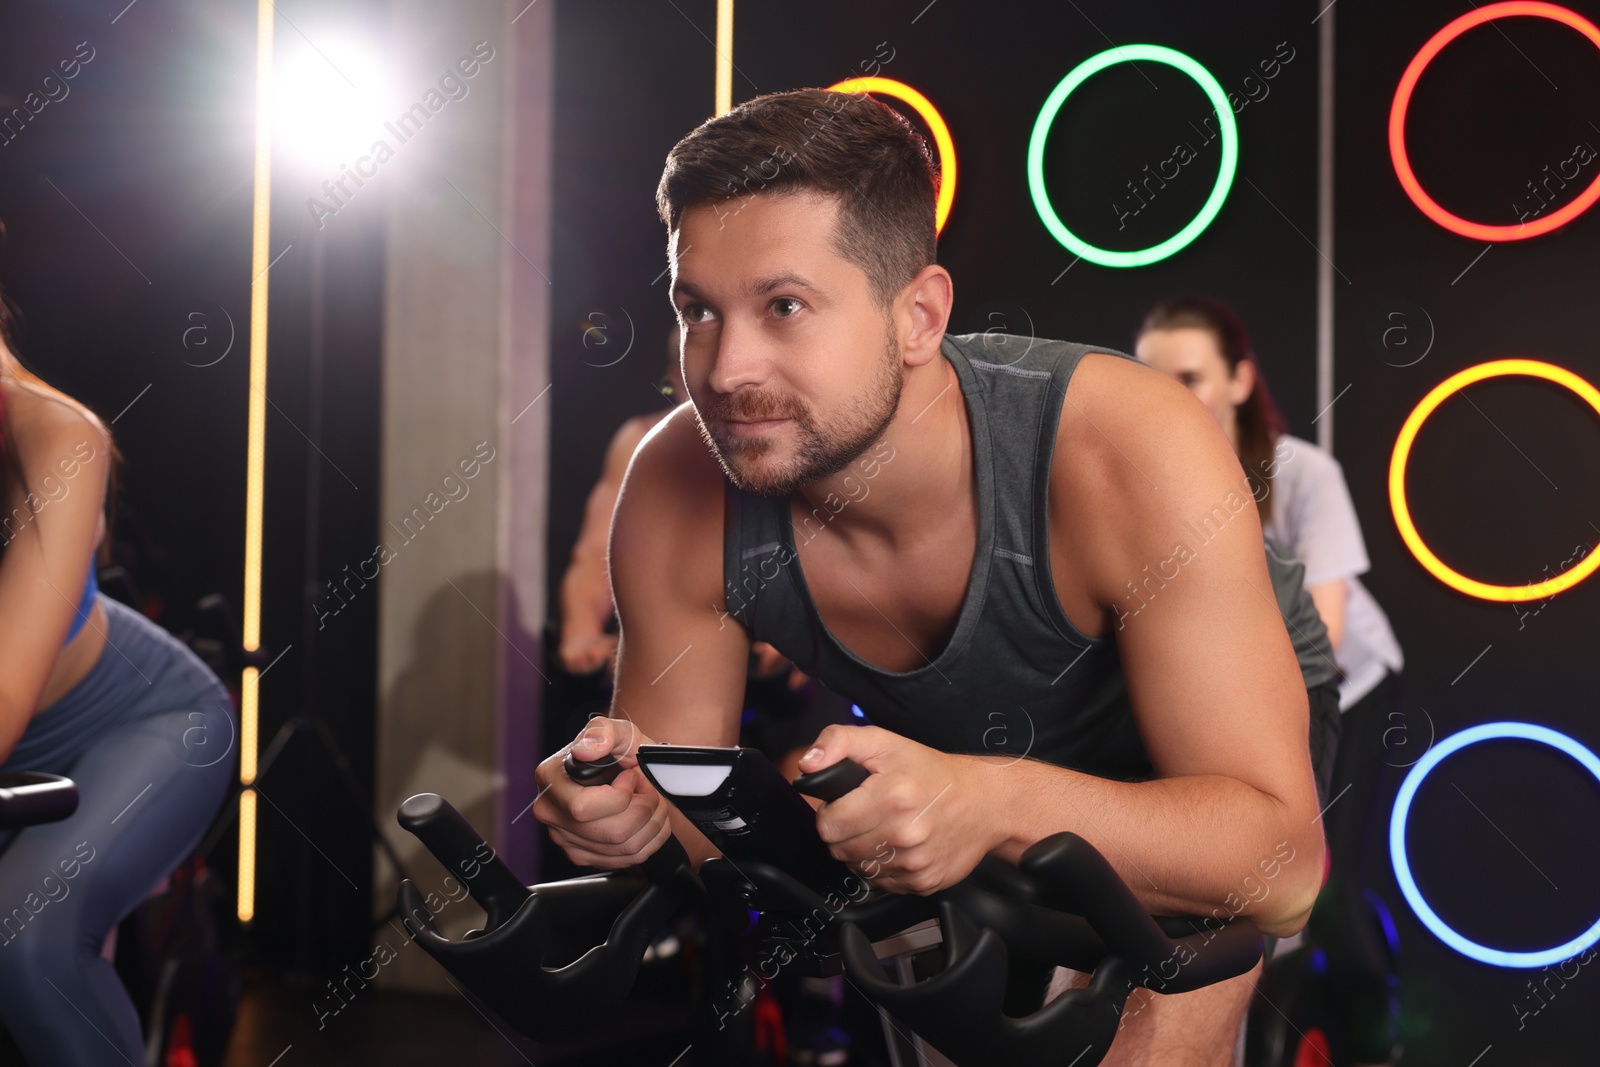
x=1325, y=395
x=247, y=856
x=724, y=56
x=255, y=464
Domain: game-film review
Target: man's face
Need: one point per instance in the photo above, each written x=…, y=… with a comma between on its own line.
x=793, y=367
x=1191, y=355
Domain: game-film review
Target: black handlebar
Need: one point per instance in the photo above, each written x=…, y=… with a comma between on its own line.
x=592, y=772
x=1062, y=904
x=28, y=798
x=831, y=783
x=1077, y=878
x=960, y=1010
x=458, y=846
x=556, y=958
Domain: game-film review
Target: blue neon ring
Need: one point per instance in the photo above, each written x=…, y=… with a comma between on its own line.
x=1402, y=867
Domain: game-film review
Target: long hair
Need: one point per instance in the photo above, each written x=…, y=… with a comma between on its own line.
x=1260, y=423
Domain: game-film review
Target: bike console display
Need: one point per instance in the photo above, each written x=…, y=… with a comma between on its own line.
x=737, y=798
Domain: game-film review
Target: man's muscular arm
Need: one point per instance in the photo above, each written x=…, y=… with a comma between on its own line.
x=681, y=662
x=1144, y=479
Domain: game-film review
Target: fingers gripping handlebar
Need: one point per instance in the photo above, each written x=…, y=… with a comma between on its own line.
x=664, y=863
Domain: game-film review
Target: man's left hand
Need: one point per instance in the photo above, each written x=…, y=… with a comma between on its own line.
x=920, y=823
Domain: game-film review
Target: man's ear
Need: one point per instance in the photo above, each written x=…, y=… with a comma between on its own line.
x=924, y=314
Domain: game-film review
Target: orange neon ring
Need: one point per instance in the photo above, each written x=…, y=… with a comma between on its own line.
x=930, y=114
x=1402, y=100
x=1397, y=481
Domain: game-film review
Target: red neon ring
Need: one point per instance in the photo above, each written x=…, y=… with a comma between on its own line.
x=1402, y=99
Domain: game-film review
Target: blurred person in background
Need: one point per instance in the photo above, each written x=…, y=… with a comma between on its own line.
x=92, y=690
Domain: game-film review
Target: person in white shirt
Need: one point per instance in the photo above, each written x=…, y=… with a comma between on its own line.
x=1305, y=507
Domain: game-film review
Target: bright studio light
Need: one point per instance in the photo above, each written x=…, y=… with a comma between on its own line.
x=330, y=103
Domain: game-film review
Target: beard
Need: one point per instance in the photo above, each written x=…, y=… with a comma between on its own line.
x=756, y=465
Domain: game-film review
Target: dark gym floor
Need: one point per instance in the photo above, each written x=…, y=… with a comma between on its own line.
x=277, y=1027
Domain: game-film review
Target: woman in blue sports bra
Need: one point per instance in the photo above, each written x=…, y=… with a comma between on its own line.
x=95, y=691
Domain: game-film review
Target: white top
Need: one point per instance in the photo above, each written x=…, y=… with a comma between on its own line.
x=1313, y=517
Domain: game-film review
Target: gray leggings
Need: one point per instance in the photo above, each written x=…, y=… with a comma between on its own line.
x=149, y=737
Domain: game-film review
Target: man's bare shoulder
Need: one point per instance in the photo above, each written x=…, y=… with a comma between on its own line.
x=1123, y=423
x=670, y=509
x=672, y=453
x=1135, y=453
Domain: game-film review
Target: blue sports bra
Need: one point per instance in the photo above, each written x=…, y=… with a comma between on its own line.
x=91, y=591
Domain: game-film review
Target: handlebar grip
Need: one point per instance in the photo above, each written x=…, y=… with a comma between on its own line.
x=28, y=798
x=454, y=842
x=662, y=865
x=1077, y=878
x=596, y=772
x=831, y=783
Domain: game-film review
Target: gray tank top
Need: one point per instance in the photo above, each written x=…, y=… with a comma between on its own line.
x=1016, y=677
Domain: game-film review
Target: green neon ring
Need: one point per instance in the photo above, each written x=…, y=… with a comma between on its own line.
x=1052, y=106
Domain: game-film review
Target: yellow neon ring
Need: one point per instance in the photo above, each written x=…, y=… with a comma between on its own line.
x=1397, y=481
x=930, y=114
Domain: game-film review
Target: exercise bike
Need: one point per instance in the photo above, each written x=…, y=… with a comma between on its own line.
x=959, y=976
x=1292, y=1019
x=29, y=799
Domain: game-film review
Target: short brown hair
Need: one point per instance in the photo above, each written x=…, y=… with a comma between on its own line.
x=845, y=145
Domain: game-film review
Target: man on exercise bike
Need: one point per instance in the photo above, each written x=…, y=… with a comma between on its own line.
x=958, y=534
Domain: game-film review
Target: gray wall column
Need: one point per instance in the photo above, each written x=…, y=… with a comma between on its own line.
x=465, y=441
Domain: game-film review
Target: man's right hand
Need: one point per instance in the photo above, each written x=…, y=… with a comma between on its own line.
x=607, y=826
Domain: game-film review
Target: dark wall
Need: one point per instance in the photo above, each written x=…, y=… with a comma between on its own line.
x=630, y=80
x=1503, y=486
x=127, y=205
